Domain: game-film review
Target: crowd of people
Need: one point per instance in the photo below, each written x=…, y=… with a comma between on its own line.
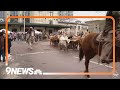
x=21, y=36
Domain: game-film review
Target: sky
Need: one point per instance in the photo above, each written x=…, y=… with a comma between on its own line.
x=89, y=13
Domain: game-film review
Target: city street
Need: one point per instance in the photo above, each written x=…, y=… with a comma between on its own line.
x=50, y=59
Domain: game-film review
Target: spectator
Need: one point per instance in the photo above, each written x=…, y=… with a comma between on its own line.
x=1, y=44
x=2, y=53
x=9, y=46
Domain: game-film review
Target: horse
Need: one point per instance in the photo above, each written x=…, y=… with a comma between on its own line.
x=89, y=47
x=117, y=48
x=30, y=38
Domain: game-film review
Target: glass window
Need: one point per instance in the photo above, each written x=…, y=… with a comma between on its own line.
x=73, y=27
x=26, y=13
x=78, y=27
x=16, y=13
x=2, y=14
x=13, y=13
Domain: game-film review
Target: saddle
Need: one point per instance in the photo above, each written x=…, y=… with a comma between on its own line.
x=96, y=39
x=107, y=38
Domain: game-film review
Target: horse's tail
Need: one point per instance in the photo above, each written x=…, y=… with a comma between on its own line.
x=81, y=54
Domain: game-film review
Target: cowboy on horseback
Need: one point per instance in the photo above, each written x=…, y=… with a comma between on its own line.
x=106, y=35
x=90, y=47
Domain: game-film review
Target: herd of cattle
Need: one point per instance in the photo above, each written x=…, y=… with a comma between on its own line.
x=65, y=42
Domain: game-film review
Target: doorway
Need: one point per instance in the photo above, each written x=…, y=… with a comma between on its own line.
x=50, y=31
x=14, y=30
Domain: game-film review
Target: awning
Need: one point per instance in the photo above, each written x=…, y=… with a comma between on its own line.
x=38, y=25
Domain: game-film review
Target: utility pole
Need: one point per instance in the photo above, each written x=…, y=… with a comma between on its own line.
x=24, y=21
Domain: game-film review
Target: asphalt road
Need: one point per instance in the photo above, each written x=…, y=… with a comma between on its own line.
x=50, y=59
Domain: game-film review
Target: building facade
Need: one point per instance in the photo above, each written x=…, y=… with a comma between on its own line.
x=45, y=24
x=4, y=14
x=75, y=27
x=96, y=25
x=65, y=13
x=44, y=20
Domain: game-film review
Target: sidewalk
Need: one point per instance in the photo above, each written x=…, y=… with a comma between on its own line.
x=3, y=73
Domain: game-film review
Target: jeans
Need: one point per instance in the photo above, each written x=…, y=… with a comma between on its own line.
x=2, y=53
x=8, y=50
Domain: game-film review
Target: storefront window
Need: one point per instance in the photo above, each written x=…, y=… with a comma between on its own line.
x=14, y=13
x=2, y=14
